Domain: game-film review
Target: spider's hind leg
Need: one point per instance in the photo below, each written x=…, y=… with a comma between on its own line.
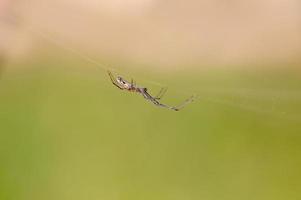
x=161, y=93
x=187, y=101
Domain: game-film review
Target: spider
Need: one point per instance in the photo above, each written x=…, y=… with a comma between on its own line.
x=132, y=87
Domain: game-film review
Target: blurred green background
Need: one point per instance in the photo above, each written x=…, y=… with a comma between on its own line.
x=68, y=133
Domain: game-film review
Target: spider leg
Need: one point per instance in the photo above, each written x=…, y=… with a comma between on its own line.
x=187, y=101
x=161, y=93
x=113, y=80
x=157, y=103
x=166, y=106
x=133, y=83
x=147, y=96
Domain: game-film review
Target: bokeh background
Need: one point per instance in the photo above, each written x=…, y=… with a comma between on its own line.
x=67, y=133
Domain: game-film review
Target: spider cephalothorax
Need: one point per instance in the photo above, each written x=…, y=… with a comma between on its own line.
x=123, y=83
x=131, y=86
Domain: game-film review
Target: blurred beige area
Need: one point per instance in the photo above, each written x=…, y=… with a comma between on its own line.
x=160, y=33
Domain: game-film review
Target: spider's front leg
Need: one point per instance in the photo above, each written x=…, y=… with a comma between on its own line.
x=113, y=80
